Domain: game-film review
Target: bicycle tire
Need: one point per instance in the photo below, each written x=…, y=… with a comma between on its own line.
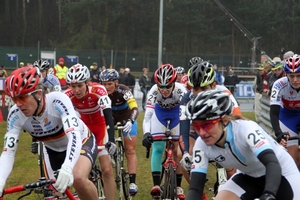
x=170, y=187
x=118, y=175
x=41, y=159
x=125, y=184
x=96, y=178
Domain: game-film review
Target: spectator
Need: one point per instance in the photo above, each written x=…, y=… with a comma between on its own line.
x=103, y=68
x=60, y=71
x=282, y=52
x=287, y=54
x=219, y=77
x=258, y=88
x=145, y=85
x=3, y=73
x=95, y=72
x=231, y=80
x=267, y=68
x=122, y=76
x=277, y=72
x=130, y=80
x=21, y=64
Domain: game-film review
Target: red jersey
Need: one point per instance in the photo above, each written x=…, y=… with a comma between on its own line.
x=91, y=109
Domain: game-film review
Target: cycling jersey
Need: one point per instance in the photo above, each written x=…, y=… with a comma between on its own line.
x=189, y=132
x=52, y=83
x=123, y=104
x=164, y=109
x=91, y=108
x=283, y=95
x=58, y=128
x=245, y=142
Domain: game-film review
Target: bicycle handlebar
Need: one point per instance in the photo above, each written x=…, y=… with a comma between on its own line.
x=30, y=186
x=119, y=126
x=159, y=139
x=34, y=185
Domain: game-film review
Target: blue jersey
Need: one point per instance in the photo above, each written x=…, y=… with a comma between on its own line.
x=52, y=83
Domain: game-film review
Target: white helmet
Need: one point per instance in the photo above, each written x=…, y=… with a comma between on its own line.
x=77, y=74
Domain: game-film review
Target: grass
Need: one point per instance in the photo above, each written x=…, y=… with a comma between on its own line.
x=26, y=169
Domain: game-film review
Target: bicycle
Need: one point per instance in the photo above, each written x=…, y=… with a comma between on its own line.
x=95, y=176
x=122, y=176
x=42, y=184
x=221, y=178
x=169, y=166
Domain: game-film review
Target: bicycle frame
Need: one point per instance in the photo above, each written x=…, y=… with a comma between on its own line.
x=169, y=166
x=31, y=186
x=122, y=177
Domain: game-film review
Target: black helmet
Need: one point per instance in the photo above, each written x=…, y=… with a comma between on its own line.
x=195, y=60
x=201, y=74
x=209, y=105
x=42, y=64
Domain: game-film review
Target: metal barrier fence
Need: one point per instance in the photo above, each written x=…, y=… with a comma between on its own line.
x=262, y=112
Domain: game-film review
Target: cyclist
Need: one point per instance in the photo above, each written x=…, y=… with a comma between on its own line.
x=180, y=73
x=163, y=106
x=51, y=83
x=265, y=170
x=124, y=110
x=94, y=106
x=68, y=144
x=285, y=108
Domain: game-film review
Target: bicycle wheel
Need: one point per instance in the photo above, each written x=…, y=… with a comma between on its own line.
x=169, y=187
x=125, y=184
x=96, y=178
x=118, y=172
x=41, y=159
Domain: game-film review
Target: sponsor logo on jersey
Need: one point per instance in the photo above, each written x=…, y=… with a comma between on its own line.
x=220, y=158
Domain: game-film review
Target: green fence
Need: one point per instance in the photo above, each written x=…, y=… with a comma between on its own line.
x=136, y=61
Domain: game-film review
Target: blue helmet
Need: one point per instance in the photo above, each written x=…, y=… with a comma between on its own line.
x=292, y=64
x=109, y=75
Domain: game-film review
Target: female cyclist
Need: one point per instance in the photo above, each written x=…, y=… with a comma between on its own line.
x=124, y=110
x=163, y=106
x=68, y=144
x=265, y=169
x=285, y=106
x=94, y=106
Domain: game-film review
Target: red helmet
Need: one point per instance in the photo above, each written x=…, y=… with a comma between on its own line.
x=23, y=81
x=292, y=64
x=185, y=82
x=165, y=75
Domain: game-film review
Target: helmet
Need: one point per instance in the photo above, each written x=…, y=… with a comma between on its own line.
x=292, y=64
x=201, y=74
x=165, y=75
x=180, y=70
x=185, y=82
x=209, y=105
x=109, y=75
x=195, y=60
x=42, y=64
x=78, y=73
x=23, y=81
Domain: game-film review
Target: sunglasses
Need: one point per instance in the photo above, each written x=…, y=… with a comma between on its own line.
x=206, y=126
x=23, y=98
x=168, y=87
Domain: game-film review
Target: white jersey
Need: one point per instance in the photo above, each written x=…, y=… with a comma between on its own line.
x=59, y=128
x=52, y=83
x=245, y=140
x=154, y=98
x=283, y=94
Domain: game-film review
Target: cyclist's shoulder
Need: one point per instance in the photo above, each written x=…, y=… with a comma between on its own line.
x=281, y=83
x=98, y=89
x=69, y=92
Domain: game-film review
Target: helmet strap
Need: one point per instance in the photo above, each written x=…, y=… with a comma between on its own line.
x=223, y=133
x=38, y=101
